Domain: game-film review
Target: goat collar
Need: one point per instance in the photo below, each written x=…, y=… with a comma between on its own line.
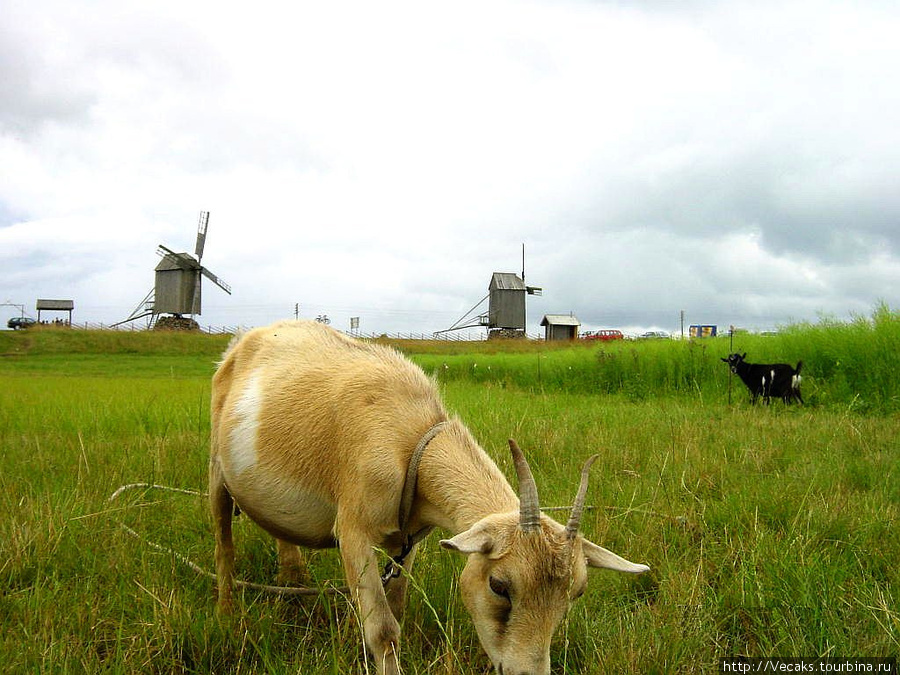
x=410, y=539
x=412, y=474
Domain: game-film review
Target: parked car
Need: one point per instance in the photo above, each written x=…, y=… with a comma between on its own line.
x=605, y=335
x=655, y=335
x=18, y=322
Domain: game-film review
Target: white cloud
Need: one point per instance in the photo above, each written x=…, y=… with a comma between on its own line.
x=737, y=159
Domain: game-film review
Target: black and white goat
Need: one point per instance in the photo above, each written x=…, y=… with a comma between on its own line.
x=767, y=379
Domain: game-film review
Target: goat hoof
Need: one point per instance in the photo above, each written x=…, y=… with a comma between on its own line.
x=293, y=575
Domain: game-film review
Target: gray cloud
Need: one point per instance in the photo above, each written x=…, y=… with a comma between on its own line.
x=735, y=160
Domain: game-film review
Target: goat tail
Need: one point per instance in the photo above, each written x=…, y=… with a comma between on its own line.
x=238, y=334
x=796, y=378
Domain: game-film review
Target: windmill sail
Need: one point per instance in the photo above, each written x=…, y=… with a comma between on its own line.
x=216, y=280
x=182, y=260
x=201, y=235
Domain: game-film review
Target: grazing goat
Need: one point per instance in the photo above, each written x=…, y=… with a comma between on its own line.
x=313, y=435
x=767, y=379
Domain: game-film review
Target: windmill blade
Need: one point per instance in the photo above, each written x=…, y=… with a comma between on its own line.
x=163, y=251
x=216, y=280
x=201, y=234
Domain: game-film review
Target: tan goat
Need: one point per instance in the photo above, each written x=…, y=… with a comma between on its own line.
x=313, y=434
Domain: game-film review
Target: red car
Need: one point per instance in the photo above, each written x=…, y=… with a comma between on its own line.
x=604, y=335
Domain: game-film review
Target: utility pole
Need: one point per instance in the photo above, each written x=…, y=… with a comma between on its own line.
x=12, y=304
x=682, y=324
x=523, y=263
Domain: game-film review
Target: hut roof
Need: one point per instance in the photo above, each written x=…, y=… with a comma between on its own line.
x=560, y=320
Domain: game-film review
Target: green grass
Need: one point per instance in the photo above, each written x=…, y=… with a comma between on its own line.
x=769, y=531
x=844, y=365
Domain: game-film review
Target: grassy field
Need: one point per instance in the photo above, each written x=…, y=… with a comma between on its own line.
x=769, y=531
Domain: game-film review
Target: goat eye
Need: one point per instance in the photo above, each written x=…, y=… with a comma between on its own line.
x=499, y=587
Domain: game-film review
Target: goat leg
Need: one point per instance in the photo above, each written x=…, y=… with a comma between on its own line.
x=381, y=629
x=291, y=566
x=222, y=507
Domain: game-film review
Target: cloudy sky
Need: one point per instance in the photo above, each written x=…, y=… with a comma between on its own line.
x=736, y=160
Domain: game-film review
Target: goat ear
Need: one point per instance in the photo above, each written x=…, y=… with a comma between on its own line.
x=725, y=360
x=477, y=539
x=597, y=556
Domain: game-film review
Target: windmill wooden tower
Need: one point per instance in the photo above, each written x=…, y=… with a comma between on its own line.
x=505, y=317
x=177, y=287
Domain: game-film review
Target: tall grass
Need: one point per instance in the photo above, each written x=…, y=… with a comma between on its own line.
x=859, y=360
x=768, y=531
x=844, y=364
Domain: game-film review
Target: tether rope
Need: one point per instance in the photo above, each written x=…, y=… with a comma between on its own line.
x=184, y=560
x=292, y=590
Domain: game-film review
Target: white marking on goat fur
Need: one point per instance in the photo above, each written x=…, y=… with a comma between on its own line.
x=242, y=447
x=795, y=381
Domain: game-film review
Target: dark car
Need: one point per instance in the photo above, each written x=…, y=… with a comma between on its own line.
x=18, y=322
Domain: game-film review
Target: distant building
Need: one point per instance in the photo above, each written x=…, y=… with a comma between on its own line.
x=560, y=327
x=506, y=303
x=177, y=289
x=505, y=317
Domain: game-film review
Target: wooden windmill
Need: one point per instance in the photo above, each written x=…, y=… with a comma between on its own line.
x=177, y=287
x=505, y=317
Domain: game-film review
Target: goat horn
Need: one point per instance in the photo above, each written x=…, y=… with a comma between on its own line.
x=578, y=507
x=529, y=506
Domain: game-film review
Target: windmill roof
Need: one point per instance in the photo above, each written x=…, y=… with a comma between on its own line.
x=506, y=281
x=171, y=262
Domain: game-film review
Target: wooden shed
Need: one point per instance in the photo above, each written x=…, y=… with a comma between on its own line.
x=46, y=305
x=560, y=327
